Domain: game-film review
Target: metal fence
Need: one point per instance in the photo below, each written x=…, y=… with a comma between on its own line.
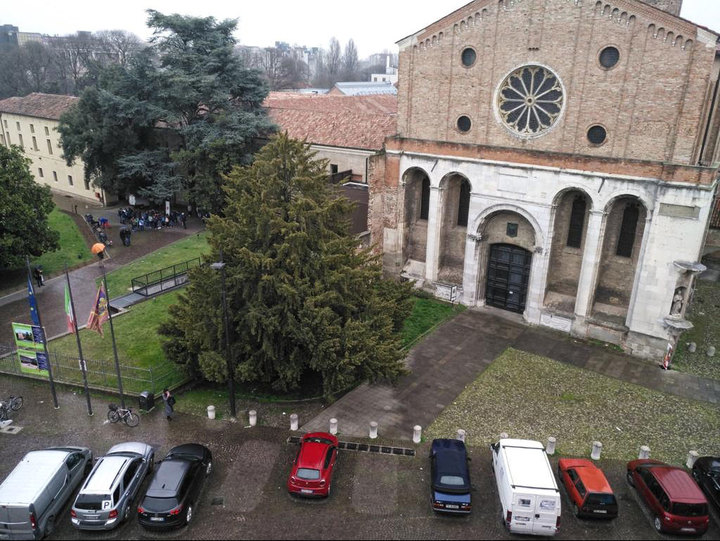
x=101, y=374
x=168, y=278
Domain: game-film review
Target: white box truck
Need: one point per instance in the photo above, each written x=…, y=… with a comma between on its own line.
x=529, y=495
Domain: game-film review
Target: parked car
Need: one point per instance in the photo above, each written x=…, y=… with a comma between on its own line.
x=34, y=493
x=449, y=477
x=706, y=472
x=175, y=487
x=588, y=488
x=312, y=469
x=106, y=498
x=673, y=497
x=529, y=495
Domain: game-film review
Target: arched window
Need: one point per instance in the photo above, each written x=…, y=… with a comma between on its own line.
x=577, y=221
x=425, y=199
x=626, y=239
x=464, y=203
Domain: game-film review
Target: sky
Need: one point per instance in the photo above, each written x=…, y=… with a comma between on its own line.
x=374, y=25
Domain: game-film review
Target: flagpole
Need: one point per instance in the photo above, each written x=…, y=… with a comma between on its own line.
x=47, y=355
x=112, y=334
x=79, y=345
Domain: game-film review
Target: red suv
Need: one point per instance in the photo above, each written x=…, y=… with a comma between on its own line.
x=587, y=488
x=676, y=501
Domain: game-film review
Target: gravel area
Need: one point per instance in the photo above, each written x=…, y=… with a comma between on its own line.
x=704, y=313
x=529, y=396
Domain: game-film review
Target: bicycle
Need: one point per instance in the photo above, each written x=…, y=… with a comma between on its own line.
x=14, y=403
x=116, y=413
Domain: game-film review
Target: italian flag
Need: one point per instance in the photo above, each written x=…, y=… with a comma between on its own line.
x=69, y=311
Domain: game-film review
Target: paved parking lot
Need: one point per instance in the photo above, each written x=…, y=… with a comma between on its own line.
x=373, y=496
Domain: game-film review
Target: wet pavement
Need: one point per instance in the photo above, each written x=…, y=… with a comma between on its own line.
x=373, y=495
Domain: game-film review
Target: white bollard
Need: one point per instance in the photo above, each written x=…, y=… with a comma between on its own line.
x=211, y=412
x=644, y=452
x=504, y=435
x=293, y=421
x=253, y=417
x=373, y=430
x=461, y=434
x=692, y=457
x=596, y=450
x=550, y=449
x=333, y=426
x=417, y=434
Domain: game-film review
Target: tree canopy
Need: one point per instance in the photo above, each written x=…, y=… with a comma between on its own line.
x=305, y=300
x=24, y=208
x=177, y=115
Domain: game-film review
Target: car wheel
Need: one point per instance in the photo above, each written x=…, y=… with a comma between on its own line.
x=188, y=514
x=658, y=524
x=630, y=479
x=328, y=492
x=576, y=510
x=126, y=513
x=208, y=468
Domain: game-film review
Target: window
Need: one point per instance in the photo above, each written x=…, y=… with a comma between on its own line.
x=18, y=126
x=572, y=475
x=40, y=172
x=116, y=496
x=35, y=147
x=425, y=199
x=328, y=457
x=22, y=145
x=464, y=124
x=73, y=460
x=70, y=181
x=468, y=57
x=580, y=488
x=5, y=123
x=596, y=135
x=333, y=169
x=87, y=184
x=524, y=502
x=55, y=176
x=130, y=473
x=47, y=131
x=609, y=56
x=49, y=145
x=464, y=204
x=626, y=239
x=32, y=128
x=577, y=221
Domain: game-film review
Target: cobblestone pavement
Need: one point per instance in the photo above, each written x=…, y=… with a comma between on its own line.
x=373, y=496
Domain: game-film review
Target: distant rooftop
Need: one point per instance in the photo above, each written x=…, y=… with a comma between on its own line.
x=38, y=105
x=364, y=88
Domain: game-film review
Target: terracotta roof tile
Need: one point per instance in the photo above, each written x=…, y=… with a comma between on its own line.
x=38, y=105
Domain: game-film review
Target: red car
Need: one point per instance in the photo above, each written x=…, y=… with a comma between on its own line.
x=676, y=501
x=588, y=488
x=312, y=469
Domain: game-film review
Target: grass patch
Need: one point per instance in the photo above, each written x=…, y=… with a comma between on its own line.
x=704, y=313
x=427, y=313
x=119, y=281
x=531, y=397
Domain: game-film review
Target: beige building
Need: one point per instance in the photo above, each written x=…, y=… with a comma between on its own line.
x=31, y=123
x=555, y=158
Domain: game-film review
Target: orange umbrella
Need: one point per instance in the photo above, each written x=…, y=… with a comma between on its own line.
x=97, y=248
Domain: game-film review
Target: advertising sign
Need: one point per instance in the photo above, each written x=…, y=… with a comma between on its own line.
x=30, y=340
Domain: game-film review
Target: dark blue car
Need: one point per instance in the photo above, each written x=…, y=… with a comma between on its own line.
x=450, y=477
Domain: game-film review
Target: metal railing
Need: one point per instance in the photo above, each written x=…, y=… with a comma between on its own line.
x=161, y=280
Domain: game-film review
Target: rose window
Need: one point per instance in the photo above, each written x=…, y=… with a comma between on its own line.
x=530, y=100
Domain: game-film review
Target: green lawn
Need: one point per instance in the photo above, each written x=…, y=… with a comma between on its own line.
x=183, y=250
x=531, y=397
x=427, y=313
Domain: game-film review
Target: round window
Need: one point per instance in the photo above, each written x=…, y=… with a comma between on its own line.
x=468, y=57
x=530, y=101
x=609, y=56
x=464, y=123
x=596, y=135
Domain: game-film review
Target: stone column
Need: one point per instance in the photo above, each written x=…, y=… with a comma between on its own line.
x=592, y=256
x=434, y=229
x=470, y=269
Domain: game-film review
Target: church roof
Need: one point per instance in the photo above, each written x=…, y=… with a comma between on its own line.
x=38, y=105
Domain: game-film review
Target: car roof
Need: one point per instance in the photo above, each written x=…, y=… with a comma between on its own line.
x=105, y=474
x=129, y=447
x=312, y=455
x=592, y=477
x=709, y=463
x=450, y=458
x=168, y=477
x=31, y=475
x=678, y=485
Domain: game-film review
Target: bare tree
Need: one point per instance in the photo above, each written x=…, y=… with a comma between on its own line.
x=350, y=62
x=37, y=62
x=333, y=62
x=120, y=45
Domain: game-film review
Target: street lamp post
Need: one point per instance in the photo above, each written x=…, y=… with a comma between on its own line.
x=228, y=354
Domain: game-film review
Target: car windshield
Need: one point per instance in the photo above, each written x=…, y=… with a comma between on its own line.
x=159, y=505
x=601, y=499
x=91, y=502
x=689, y=509
x=452, y=480
x=306, y=473
x=318, y=440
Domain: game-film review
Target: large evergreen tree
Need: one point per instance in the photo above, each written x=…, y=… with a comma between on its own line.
x=305, y=300
x=24, y=208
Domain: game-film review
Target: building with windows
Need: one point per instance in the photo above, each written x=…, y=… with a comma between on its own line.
x=31, y=122
x=555, y=158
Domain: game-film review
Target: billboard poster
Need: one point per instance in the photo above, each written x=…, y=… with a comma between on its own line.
x=30, y=340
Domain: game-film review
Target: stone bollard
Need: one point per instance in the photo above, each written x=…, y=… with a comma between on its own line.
x=504, y=435
x=333, y=426
x=211, y=412
x=373, y=430
x=711, y=351
x=550, y=449
x=293, y=421
x=461, y=434
x=596, y=450
x=644, y=452
x=252, y=414
x=417, y=434
x=692, y=347
x=692, y=457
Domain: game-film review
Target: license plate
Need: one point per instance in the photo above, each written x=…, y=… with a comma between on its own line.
x=452, y=506
x=92, y=517
x=689, y=530
x=157, y=519
x=306, y=491
x=522, y=519
x=601, y=511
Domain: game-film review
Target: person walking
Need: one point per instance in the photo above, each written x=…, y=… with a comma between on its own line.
x=39, y=278
x=169, y=403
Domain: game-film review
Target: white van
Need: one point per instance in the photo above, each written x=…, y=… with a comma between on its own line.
x=35, y=492
x=529, y=495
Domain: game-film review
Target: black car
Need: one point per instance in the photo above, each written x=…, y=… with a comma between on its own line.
x=450, y=478
x=706, y=471
x=173, y=493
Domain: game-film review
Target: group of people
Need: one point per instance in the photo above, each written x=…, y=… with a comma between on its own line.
x=151, y=219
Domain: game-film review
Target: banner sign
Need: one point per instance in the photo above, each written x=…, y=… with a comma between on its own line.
x=30, y=342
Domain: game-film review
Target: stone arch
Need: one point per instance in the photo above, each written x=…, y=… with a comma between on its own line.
x=481, y=220
x=625, y=221
x=455, y=188
x=417, y=189
x=678, y=41
x=688, y=44
x=670, y=37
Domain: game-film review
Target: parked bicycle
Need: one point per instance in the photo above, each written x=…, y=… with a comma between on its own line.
x=13, y=403
x=116, y=413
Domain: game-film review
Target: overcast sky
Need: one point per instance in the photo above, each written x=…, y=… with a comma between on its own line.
x=375, y=25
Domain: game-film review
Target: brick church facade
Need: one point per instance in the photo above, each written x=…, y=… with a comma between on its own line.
x=558, y=159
